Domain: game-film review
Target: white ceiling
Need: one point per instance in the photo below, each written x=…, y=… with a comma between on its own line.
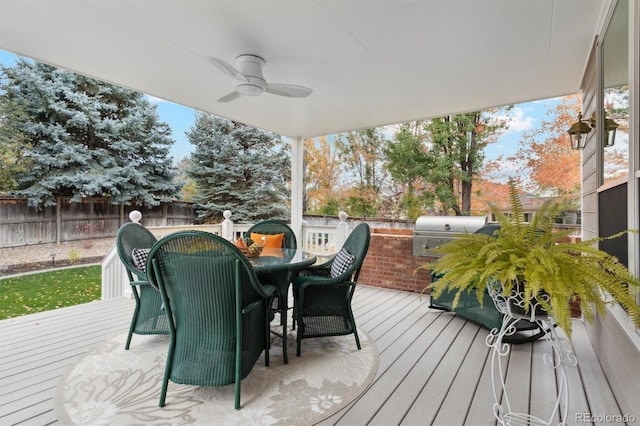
x=369, y=62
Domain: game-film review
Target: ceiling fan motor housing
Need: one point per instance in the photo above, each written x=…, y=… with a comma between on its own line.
x=247, y=73
x=251, y=67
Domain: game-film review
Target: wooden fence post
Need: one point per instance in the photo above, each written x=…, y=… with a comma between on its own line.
x=58, y=220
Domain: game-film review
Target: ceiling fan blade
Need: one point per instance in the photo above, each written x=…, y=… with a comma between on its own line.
x=288, y=90
x=227, y=69
x=231, y=96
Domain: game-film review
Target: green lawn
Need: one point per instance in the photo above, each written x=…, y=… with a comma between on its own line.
x=28, y=294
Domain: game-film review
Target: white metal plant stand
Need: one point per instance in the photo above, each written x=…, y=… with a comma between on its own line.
x=562, y=355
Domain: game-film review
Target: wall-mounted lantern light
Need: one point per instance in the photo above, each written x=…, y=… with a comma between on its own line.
x=580, y=129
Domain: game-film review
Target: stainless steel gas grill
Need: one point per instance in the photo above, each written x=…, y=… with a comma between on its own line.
x=433, y=231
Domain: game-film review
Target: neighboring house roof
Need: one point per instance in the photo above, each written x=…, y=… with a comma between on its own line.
x=491, y=193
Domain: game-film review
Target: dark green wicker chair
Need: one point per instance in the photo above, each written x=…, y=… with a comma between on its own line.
x=219, y=311
x=323, y=293
x=485, y=314
x=273, y=227
x=148, y=315
x=279, y=279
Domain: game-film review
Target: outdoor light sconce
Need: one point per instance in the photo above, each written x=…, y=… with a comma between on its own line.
x=580, y=129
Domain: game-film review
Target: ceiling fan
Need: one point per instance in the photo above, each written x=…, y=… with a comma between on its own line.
x=251, y=82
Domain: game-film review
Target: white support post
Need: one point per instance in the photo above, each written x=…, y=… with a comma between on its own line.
x=297, y=186
x=342, y=230
x=227, y=226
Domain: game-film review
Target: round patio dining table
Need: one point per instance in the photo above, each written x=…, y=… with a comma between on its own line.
x=277, y=266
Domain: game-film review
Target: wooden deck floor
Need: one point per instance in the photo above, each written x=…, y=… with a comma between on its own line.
x=434, y=366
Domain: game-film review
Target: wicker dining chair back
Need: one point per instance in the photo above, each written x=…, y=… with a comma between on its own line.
x=280, y=279
x=148, y=315
x=273, y=227
x=322, y=295
x=219, y=311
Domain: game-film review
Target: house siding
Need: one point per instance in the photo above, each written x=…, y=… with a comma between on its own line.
x=615, y=342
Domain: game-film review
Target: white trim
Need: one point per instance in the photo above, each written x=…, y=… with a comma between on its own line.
x=613, y=184
x=621, y=317
x=297, y=185
x=632, y=179
x=634, y=142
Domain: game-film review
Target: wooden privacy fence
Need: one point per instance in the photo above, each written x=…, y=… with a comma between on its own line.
x=22, y=225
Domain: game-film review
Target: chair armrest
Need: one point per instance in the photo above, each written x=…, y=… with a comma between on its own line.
x=315, y=272
x=264, y=290
x=322, y=269
x=324, y=283
x=268, y=290
x=323, y=286
x=304, y=282
x=326, y=264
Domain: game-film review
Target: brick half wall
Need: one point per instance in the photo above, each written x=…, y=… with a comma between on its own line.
x=390, y=262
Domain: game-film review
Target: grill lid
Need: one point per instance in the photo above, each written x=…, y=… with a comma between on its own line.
x=449, y=224
x=433, y=231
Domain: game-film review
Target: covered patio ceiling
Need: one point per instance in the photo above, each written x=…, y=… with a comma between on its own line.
x=369, y=62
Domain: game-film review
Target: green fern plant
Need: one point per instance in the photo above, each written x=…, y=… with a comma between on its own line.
x=533, y=257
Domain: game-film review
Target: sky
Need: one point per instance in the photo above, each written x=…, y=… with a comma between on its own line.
x=180, y=118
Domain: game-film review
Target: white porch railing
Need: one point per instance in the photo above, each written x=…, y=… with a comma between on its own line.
x=322, y=240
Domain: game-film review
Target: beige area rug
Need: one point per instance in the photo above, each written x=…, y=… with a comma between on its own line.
x=116, y=387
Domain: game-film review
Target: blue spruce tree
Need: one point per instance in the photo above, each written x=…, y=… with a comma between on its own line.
x=239, y=168
x=86, y=138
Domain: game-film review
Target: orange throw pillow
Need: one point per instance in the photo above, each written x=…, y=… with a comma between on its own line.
x=271, y=252
x=273, y=240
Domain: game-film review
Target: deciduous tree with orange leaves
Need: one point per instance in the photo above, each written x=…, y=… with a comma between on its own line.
x=545, y=154
x=322, y=172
